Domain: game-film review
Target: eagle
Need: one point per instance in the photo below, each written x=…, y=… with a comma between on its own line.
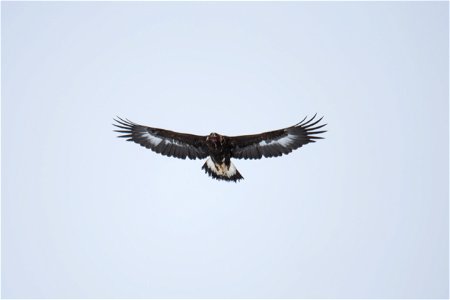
x=220, y=149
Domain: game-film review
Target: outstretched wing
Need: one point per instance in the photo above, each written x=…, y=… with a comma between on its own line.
x=165, y=142
x=277, y=142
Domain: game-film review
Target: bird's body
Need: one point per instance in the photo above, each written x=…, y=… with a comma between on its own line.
x=220, y=148
x=219, y=163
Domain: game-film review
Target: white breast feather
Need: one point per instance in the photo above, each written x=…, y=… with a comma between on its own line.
x=211, y=165
x=231, y=171
x=221, y=169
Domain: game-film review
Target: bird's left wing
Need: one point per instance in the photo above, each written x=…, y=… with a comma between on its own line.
x=277, y=142
x=165, y=142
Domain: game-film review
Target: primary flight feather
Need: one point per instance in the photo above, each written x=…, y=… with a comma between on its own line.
x=221, y=148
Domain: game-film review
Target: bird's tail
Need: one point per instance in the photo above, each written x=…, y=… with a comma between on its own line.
x=221, y=171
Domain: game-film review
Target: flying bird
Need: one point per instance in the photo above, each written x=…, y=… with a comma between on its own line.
x=220, y=149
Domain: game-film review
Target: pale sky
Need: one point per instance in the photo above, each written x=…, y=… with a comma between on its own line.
x=362, y=213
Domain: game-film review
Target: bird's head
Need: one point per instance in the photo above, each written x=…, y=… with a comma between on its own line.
x=214, y=139
x=213, y=136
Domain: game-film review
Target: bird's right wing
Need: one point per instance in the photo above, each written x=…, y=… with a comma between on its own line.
x=277, y=142
x=165, y=142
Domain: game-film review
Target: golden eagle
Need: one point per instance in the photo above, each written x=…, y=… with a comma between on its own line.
x=221, y=148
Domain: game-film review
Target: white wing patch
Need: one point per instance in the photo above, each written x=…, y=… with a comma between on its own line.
x=173, y=142
x=155, y=141
x=284, y=141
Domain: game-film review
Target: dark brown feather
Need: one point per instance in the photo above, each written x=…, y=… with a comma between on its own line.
x=165, y=142
x=276, y=143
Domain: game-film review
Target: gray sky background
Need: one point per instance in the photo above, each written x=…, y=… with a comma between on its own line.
x=363, y=213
